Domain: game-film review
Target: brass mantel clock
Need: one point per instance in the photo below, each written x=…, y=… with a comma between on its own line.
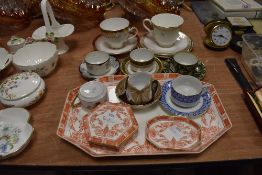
x=218, y=34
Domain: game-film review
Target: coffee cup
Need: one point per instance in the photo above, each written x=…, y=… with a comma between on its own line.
x=185, y=62
x=142, y=60
x=117, y=32
x=165, y=28
x=97, y=62
x=139, y=88
x=186, y=91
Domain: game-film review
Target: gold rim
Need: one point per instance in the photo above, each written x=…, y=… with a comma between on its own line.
x=126, y=60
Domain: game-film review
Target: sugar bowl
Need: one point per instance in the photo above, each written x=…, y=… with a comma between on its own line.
x=92, y=93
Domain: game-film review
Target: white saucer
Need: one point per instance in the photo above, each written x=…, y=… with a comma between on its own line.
x=183, y=43
x=101, y=45
x=114, y=65
x=15, y=131
x=5, y=59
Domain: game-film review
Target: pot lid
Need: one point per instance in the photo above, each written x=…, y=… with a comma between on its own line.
x=19, y=85
x=92, y=90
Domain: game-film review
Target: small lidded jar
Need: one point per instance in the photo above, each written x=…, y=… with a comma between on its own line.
x=92, y=93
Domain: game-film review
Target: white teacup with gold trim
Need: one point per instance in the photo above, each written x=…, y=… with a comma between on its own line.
x=139, y=88
x=117, y=32
x=165, y=28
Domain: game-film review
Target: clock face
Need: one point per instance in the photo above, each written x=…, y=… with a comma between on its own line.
x=221, y=35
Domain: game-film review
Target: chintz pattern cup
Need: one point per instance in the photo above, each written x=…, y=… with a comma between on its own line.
x=117, y=32
x=165, y=28
x=186, y=91
x=97, y=62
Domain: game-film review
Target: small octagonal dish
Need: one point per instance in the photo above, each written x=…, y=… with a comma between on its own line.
x=110, y=124
x=169, y=132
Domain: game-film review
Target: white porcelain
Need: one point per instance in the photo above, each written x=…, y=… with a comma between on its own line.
x=117, y=32
x=185, y=58
x=60, y=30
x=97, y=62
x=100, y=44
x=183, y=43
x=186, y=91
x=165, y=28
x=7, y=114
x=142, y=60
x=15, y=43
x=39, y=57
x=5, y=59
x=113, y=68
x=130, y=70
x=139, y=88
x=22, y=89
x=15, y=132
x=92, y=93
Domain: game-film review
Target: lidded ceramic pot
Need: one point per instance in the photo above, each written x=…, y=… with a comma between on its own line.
x=92, y=93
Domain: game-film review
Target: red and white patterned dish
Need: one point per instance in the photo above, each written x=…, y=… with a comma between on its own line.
x=172, y=132
x=214, y=123
x=110, y=124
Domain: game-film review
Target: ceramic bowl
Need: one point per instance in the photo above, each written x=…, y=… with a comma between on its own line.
x=186, y=91
x=97, y=62
x=22, y=89
x=5, y=59
x=92, y=93
x=141, y=60
x=39, y=57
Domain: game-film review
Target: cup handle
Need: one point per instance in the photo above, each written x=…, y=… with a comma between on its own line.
x=134, y=31
x=145, y=21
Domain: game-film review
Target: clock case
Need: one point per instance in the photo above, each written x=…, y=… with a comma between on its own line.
x=209, y=28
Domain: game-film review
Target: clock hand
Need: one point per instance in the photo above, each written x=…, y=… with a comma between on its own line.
x=222, y=36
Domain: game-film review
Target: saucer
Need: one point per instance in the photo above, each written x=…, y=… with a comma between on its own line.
x=172, y=132
x=192, y=113
x=101, y=45
x=5, y=59
x=126, y=67
x=114, y=65
x=15, y=131
x=121, y=95
x=183, y=43
x=199, y=72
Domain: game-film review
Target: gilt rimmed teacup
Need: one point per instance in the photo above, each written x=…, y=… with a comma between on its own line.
x=117, y=32
x=97, y=62
x=185, y=62
x=142, y=59
x=139, y=88
x=165, y=28
x=186, y=91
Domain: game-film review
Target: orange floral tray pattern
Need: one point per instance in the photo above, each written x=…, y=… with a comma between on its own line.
x=214, y=123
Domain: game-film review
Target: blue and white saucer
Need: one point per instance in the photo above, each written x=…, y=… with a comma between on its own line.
x=192, y=113
x=114, y=66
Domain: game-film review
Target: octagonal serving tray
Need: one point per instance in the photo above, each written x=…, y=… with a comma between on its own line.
x=214, y=123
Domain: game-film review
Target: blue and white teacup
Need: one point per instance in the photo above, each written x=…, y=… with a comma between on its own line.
x=186, y=91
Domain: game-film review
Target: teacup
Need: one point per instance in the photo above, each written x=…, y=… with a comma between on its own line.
x=97, y=62
x=185, y=62
x=15, y=43
x=165, y=28
x=186, y=91
x=139, y=88
x=117, y=32
x=141, y=59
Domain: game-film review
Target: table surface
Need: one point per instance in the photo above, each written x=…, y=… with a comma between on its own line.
x=242, y=142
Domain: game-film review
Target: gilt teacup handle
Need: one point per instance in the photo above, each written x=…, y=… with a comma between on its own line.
x=134, y=31
x=145, y=21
